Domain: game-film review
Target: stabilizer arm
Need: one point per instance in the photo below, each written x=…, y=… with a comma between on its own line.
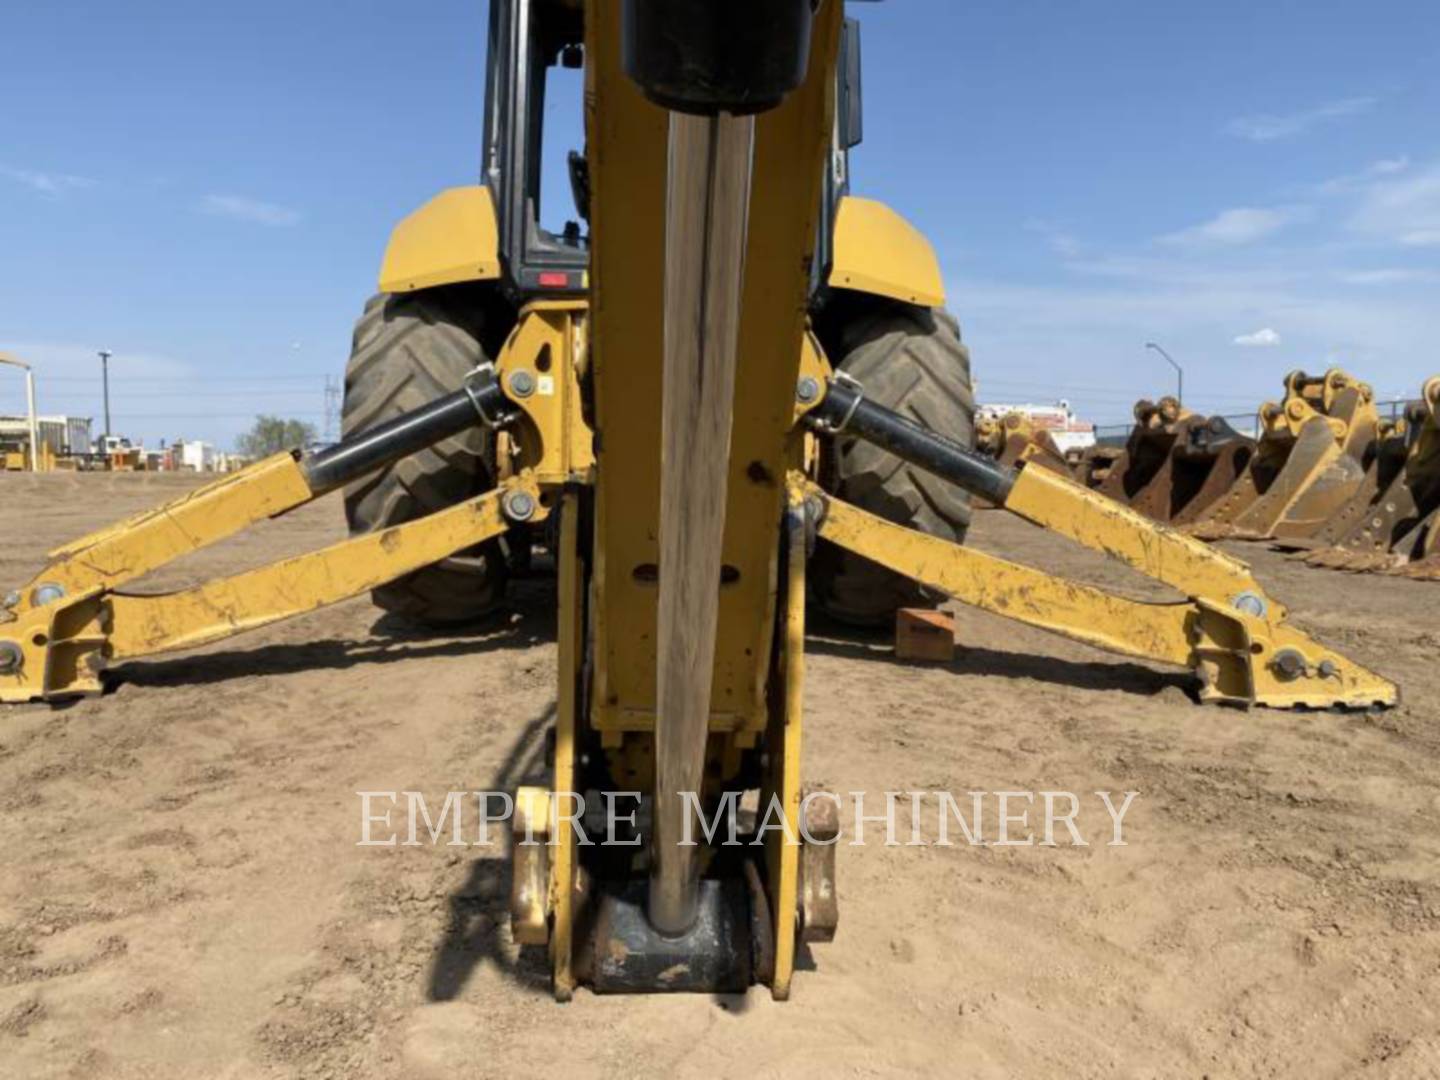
x=60, y=631
x=1227, y=629
x=60, y=649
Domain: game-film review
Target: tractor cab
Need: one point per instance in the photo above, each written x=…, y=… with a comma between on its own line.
x=530, y=41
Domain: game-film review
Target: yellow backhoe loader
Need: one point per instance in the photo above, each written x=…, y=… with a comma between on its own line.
x=736, y=364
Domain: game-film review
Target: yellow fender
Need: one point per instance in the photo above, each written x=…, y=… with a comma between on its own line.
x=878, y=251
x=453, y=237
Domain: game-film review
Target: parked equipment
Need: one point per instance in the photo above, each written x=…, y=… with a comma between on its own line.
x=1309, y=460
x=1394, y=528
x=742, y=362
x=1013, y=439
x=1174, y=463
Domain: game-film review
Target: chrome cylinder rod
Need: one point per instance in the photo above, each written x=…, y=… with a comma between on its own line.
x=707, y=211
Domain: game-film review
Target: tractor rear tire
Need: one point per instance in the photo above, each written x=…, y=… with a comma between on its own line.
x=909, y=359
x=410, y=349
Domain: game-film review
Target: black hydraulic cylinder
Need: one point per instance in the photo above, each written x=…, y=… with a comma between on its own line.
x=708, y=56
x=845, y=411
x=480, y=401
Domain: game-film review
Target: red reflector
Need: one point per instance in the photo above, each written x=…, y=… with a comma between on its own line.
x=552, y=279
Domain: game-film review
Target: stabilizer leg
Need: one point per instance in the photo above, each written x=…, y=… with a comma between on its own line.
x=1229, y=631
x=60, y=650
x=59, y=632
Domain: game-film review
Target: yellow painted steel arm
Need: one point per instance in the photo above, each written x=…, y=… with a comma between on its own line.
x=149, y=624
x=132, y=548
x=1153, y=631
x=65, y=645
x=1191, y=566
x=1240, y=658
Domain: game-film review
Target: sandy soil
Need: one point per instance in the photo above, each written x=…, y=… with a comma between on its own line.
x=181, y=894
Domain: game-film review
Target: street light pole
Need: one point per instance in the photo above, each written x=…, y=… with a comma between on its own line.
x=105, y=355
x=1179, y=371
x=6, y=358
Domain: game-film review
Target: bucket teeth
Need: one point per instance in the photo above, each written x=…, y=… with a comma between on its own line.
x=1425, y=570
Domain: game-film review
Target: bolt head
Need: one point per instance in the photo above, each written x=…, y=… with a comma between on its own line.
x=1289, y=664
x=47, y=594
x=519, y=506
x=12, y=658
x=522, y=383
x=1247, y=603
x=12, y=599
x=807, y=389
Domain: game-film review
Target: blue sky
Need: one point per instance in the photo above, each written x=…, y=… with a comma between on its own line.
x=205, y=190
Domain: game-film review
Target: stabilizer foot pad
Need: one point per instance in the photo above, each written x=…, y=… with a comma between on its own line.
x=628, y=956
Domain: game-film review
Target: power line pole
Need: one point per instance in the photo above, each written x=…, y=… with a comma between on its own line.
x=332, y=409
x=105, y=355
x=1179, y=371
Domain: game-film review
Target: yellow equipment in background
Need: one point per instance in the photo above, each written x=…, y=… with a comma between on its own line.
x=19, y=459
x=1329, y=479
x=1308, y=462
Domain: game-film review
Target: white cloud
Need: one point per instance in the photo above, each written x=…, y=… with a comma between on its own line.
x=1192, y=306
x=1241, y=225
x=49, y=184
x=1267, y=127
x=1359, y=181
x=1388, y=276
x=1389, y=166
x=1063, y=243
x=1405, y=211
x=1260, y=339
x=243, y=208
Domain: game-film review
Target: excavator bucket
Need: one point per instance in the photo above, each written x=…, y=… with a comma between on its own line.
x=1384, y=478
x=1207, y=464
x=1097, y=463
x=1175, y=463
x=1344, y=477
x=1015, y=438
x=1396, y=528
x=1426, y=552
x=1140, y=472
x=1296, y=472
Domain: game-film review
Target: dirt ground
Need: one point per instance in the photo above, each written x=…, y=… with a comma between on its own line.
x=181, y=894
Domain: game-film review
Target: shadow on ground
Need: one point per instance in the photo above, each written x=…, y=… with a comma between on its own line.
x=828, y=638
x=477, y=928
